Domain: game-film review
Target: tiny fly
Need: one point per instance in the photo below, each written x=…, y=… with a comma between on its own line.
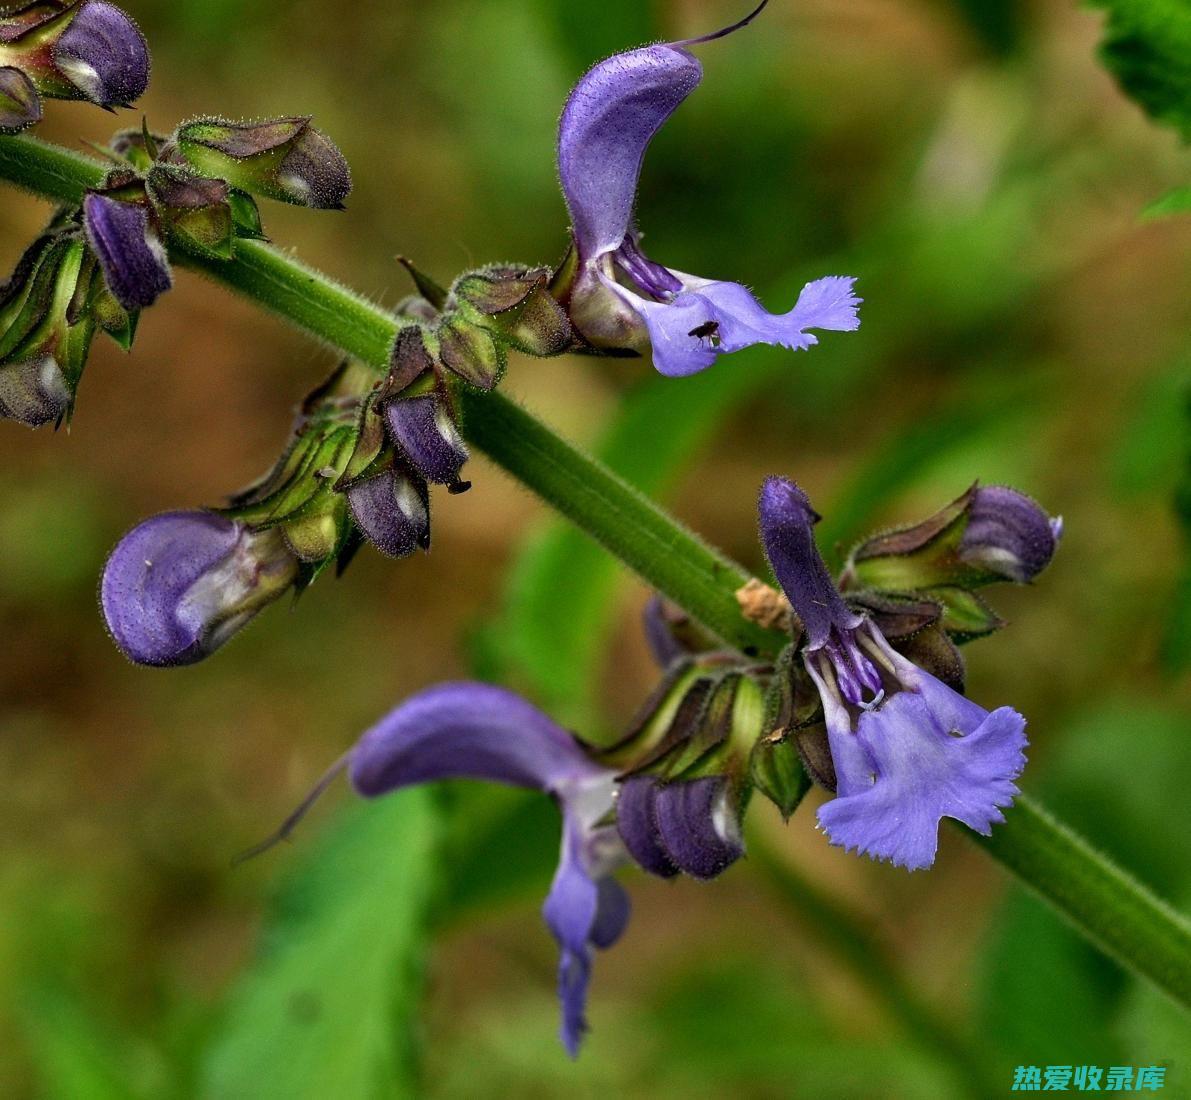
x=708, y=331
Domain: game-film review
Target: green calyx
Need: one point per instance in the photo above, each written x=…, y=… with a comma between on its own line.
x=704, y=719
x=336, y=439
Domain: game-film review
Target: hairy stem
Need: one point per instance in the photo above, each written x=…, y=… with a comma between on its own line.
x=1109, y=907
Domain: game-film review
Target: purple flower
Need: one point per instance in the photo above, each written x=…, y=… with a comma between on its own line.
x=907, y=749
x=177, y=586
x=620, y=297
x=476, y=731
x=131, y=255
x=104, y=55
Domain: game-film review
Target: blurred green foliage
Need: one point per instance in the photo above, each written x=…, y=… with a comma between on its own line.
x=983, y=176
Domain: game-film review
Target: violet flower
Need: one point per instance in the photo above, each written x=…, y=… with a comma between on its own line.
x=620, y=297
x=907, y=750
x=476, y=731
x=178, y=585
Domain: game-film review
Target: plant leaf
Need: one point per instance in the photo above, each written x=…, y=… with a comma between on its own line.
x=329, y=1007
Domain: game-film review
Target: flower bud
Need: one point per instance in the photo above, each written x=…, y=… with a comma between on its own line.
x=424, y=432
x=86, y=50
x=989, y=534
x=688, y=825
x=20, y=105
x=129, y=251
x=177, y=586
x=1008, y=534
x=393, y=511
x=282, y=158
x=516, y=306
x=45, y=330
x=104, y=55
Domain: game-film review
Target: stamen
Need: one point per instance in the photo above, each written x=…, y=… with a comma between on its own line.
x=291, y=822
x=727, y=30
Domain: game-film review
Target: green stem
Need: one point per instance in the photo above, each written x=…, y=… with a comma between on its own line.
x=1104, y=903
x=1115, y=911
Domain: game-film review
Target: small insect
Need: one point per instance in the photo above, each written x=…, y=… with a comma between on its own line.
x=708, y=331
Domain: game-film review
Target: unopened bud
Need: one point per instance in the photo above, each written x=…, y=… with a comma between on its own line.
x=104, y=55
x=179, y=585
x=423, y=430
x=45, y=330
x=20, y=105
x=393, y=511
x=85, y=50
x=283, y=158
x=129, y=251
x=989, y=534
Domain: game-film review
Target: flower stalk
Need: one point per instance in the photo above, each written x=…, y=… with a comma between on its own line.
x=1112, y=909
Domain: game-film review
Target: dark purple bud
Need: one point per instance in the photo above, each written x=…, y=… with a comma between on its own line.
x=393, y=511
x=315, y=172
x=686, y=825
x=787, y=533
x=104, y=55
x=133, y=260
x=20, y=105
x=177, y=586
x=1008, y=534
x=408, y=361
x=425, y=432
x=34, y=391
x=637, y=824
x=699, y=826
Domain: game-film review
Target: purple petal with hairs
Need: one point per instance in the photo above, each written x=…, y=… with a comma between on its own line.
x=424, y=431
x=477, y=731
x=787, y=533
x=739, y=321
x=133, y=259
x=607, y=124
x=177, y=586
x=104, y=55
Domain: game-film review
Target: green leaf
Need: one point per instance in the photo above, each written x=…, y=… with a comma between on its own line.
x=1147, y=46
x=1173, y=202
x=74, y=1053
x=329, y=1008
